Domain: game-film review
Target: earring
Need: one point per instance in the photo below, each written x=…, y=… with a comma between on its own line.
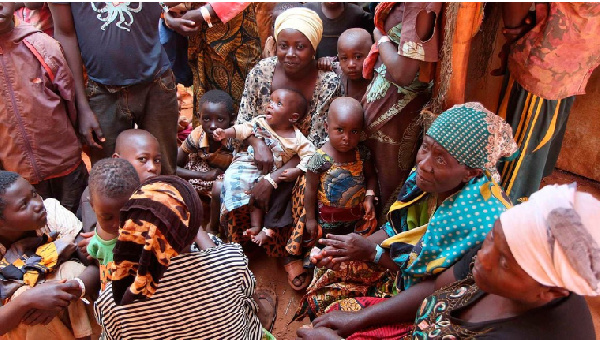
x=314, y=57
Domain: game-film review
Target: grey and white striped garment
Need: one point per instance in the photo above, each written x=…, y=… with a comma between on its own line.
x=203, y=295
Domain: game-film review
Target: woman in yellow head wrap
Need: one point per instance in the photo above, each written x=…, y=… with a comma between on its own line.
x=297, y=31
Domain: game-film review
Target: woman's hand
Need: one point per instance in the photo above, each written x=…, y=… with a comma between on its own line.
x=342, y=323
x=263, y=156
x=182, y=26
x=260, y=195
x=325, y=63
x=52, y=295
x=351, y=247
x=316, y=333
x=212, y=175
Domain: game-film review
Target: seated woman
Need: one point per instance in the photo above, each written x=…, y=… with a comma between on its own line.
x=298, y=32
x=161, y=289
x=446, y=207
x=525, y=282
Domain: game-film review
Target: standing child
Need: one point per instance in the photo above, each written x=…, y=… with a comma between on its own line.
x=37, y=112
x=201, y=159
x=353, y=47
x=340, y=179
x=277, y=129
x=38, y=285
x=112, y=181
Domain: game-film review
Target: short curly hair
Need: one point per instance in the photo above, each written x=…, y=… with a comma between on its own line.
x=7, y=178
x=218, y=97
x=113, y=178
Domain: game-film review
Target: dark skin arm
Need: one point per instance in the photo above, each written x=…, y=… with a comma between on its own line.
x=310, y=203
x=183, y=158
x=260, y=195
x=402, y=69
x=351, y=247
x=371, y=179
x=516, y=24
x=64, y=32
x=398, y=309
x=49, y=298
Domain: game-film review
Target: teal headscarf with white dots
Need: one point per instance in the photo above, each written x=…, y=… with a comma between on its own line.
x=474, y=136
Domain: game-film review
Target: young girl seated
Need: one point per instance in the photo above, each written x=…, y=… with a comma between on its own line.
x=112, y=181
x=39, y=287
x=201, y=159
x=277, y=129
x=340, y=179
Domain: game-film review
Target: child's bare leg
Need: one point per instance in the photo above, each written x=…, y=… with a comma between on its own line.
x=215, y=207
x=256, y=222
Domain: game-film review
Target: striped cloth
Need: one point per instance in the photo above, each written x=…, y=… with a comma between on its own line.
x=203, y=295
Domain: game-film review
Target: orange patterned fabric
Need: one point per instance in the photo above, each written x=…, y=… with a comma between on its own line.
x=161, y=220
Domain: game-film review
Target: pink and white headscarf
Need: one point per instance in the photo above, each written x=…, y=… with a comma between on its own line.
x=555, y=237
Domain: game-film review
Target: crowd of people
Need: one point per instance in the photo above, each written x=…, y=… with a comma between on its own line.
x=308, y=143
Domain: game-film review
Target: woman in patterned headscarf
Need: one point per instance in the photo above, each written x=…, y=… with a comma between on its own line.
x=525, y=281
x=446, y=207
x=156, y=274
x=297, y=32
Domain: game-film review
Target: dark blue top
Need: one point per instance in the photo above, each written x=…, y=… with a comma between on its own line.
x=119, y=43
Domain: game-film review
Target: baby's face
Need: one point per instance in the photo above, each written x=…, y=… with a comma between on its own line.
x=281, y=108
x=108, y=211
x=352, y=54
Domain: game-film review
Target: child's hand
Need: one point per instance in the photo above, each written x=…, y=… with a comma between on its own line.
x=312, y=228
x=290, y=175
x=82, y=245
x=219, y=134
x=369, y=207
x=212, y=175
x=324, y=63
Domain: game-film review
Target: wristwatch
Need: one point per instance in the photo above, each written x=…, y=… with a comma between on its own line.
x=378, y=254
x=270, y=180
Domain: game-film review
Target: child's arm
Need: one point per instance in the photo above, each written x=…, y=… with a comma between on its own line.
x=183, y=158
x=310, y=203
x=371, y=179
x=220, y=134
x=48, y=296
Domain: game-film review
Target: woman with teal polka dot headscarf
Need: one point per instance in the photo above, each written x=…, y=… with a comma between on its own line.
x=471, y=140
x=446, y=207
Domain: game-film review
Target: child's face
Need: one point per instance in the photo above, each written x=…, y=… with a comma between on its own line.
x=24, y=209
x=144, y=154
x=352, y=54
x=214, y=115
x=344, y=129
x=281, y=111
x=108, y=210
x=7, y=10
